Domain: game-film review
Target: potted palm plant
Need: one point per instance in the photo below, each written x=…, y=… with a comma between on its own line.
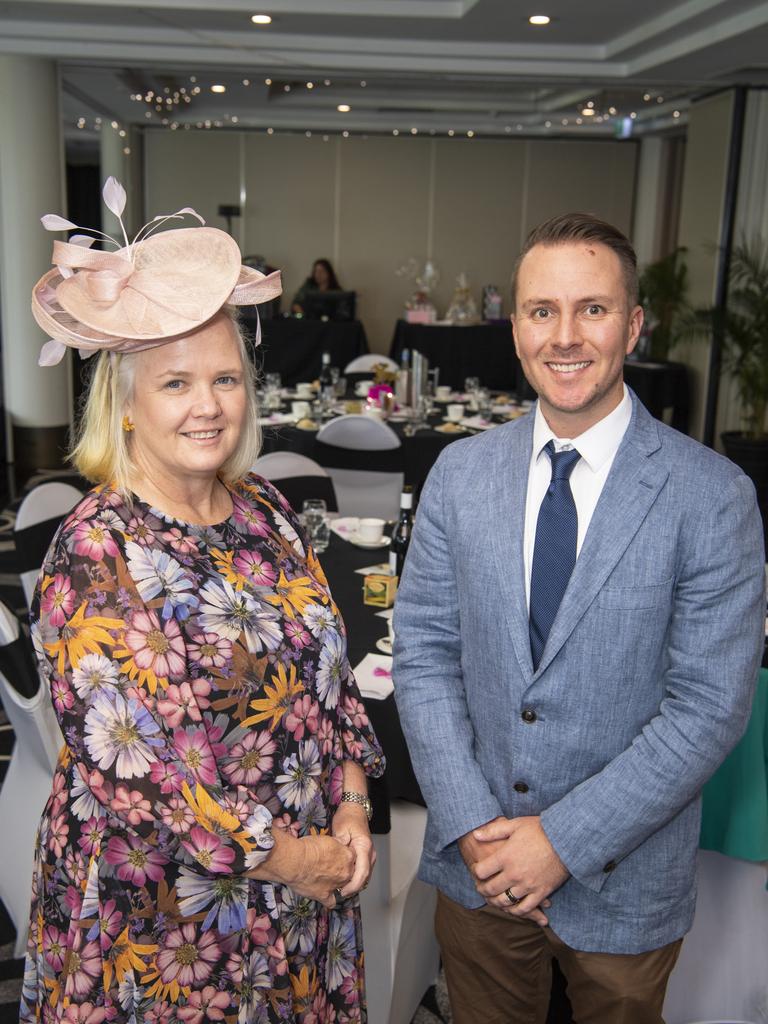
x=664, y=295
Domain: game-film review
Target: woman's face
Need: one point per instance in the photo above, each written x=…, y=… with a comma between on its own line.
x=188, y=404
x=321, y=276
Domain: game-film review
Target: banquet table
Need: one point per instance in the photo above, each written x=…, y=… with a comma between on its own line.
x=293, y=347
x=364, y=628
x=661, y=386
x=476, y=350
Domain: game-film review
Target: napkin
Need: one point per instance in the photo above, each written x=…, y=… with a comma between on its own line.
x=345, y=526
x=477, y=422
x=381, y=568
x=374, y=676
x=276, y=418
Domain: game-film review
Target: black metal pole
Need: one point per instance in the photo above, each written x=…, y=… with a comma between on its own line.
x=727, y=229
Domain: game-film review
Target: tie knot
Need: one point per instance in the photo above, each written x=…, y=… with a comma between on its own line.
x=562, y=462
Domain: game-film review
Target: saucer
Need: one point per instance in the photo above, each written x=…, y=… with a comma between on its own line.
x=358, y=541
x=384, y=645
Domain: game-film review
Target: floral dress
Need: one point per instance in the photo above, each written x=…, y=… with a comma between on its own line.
x=201, y=680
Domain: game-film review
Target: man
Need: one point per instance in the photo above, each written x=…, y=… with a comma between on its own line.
x=578, y=634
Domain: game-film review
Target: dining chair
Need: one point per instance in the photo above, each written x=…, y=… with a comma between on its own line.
x=37, y=520
x=361, y=364
x=298, y=478
x=401, y=952
x=364, y=458
x=27, y=785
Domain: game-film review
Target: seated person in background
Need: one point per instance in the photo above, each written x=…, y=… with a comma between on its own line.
x=323, y=279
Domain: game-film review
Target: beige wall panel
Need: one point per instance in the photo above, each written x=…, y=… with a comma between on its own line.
x=290, y=198
x=477, y=214
x=706, y=164
x=383, y=221
x=200, y=169
x=592, y=177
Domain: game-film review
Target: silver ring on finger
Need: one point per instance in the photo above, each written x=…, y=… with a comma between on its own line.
x=513, y=900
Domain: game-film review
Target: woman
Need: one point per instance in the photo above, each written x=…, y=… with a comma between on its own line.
x=207, y=831
x=322, y=279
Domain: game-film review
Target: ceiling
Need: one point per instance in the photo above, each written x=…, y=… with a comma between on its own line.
x=403, y=66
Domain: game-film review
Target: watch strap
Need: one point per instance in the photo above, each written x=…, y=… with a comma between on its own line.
x=349, y=796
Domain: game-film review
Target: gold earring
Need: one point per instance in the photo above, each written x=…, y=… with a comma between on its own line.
x=127, y=425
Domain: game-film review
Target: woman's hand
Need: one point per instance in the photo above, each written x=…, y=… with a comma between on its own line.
x=313, y=866
x=350, y=826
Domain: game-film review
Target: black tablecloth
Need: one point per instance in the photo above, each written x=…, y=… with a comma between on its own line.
x=478, y=350
x=364, y=628
x=294, y=347
x=661, y=386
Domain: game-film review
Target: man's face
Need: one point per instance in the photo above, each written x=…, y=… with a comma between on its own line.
x=573, y=327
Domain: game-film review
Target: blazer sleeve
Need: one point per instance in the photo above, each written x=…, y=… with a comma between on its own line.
x=429, y=687
x=713, y=648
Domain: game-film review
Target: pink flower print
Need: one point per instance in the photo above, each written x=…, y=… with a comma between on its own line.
x=177, y=816
x=208, y=851
x=155, y=646
x=336, y=786
x=255, y=569
x=59, y=793
x=235, y=968
x=278, y=961
x=249, y=518
x=92, y=835
x=194, y=750
x=325, y=735
x=87, y=508
x=54, y=947
x=58, y=831
x=180, y=542
x=304, y=715
x=260, y=927
x=185, y=700
x=131, y=805
x=134, y=862
x=353, y=745
x=297, y=634
x=58, y=600
x=167, y=776
x=209, y=650
x=82, y=965
x=141, y=530
x=249, y=759
x=241, y=808
x=355, y=712
x=110, y=923
x=85, y=1013
x=73, y=899
x=286, y=823
x=160, y=1013
x=94, y=540
x=62, y=695
x=187, y=958
x=142, y=696
x=210, y=1004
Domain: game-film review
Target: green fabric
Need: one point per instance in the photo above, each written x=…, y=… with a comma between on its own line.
x=735, y=800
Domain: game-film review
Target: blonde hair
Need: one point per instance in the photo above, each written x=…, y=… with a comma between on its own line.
x=101, y=449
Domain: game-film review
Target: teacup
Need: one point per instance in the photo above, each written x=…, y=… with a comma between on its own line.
x=455, y=413
x=375, y=412
x=443, y=391
x=304, y=390
x=300, y=410
x=370, y=530
x=362, y=387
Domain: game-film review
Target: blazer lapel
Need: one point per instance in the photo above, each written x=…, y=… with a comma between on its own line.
x=507, y=493
x=631, y=489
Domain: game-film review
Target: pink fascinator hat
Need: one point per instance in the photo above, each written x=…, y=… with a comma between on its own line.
x=145, y=293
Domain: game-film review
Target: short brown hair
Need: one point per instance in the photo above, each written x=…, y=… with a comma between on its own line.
x=582, y=227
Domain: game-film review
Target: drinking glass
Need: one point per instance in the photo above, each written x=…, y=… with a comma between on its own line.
x=484, y=404
x=314, y=515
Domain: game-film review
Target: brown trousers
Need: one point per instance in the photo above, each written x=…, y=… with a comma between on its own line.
x=499, y=971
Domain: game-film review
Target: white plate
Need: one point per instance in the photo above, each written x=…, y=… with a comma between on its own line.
x=384, y=645
x=360, y=543
x=447, y=419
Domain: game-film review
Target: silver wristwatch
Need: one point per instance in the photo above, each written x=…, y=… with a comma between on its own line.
x=349, y=796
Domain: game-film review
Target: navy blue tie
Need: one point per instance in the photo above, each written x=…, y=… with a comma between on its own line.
x=554, y=551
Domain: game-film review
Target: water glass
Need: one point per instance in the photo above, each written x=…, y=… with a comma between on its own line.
x=484, y=404
x=471, y=384
x=314, y=515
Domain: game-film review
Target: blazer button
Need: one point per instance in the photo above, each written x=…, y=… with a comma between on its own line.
x=610, y=866
x=520, y=787
x=529, y=715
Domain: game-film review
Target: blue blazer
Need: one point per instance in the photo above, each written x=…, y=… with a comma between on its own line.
x=645, y=683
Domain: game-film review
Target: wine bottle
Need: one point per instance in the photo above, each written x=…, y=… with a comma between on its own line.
x=326, y=380
x=401, y=535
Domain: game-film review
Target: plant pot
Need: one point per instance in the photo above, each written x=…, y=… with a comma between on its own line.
x=751, y=456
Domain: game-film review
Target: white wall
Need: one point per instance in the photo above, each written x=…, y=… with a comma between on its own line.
x=370, y=204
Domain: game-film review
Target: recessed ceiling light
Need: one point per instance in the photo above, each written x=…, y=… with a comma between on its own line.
x=261, y=19
x=588, y=112
x=451, y=132
x=218, y=88
x=310, y=85
x=414, y=131
x=539, y=19
x=246, y=81
x=470, y=134
x=675, y=113
x=345, y=135
x=343, y=108
x=395, y=131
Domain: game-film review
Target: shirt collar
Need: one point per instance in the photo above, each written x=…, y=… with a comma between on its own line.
x=596, y=445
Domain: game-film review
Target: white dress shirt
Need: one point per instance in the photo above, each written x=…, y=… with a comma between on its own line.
x=597, y=447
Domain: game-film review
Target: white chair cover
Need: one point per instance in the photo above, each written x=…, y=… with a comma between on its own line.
x=361, y=364
x=46, y=503
x=359, y=433
x=26, y=787
x=363, y=491
x=279, y=465
x=401, y=952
